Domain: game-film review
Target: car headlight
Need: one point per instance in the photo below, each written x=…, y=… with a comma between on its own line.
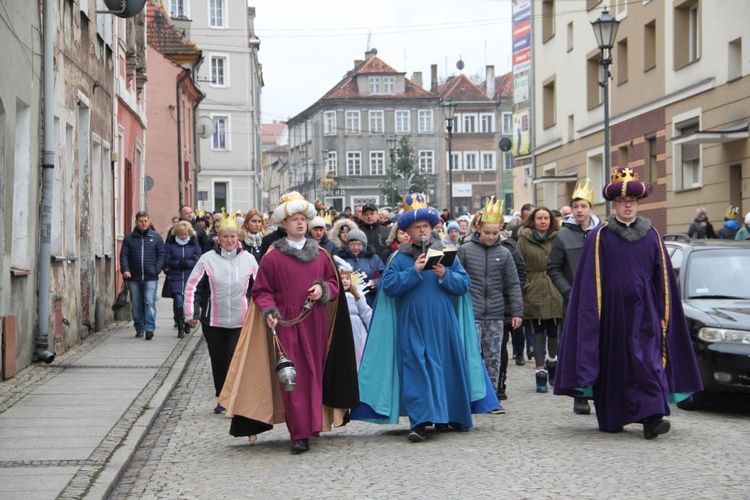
x=708, y=334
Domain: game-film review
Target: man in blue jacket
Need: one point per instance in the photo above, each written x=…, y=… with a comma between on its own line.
x=141, y=260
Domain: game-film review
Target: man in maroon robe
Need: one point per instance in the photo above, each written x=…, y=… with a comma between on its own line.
x=632, y=351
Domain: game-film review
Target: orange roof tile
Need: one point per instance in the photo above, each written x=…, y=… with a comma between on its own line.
x=460, y=88
x=347, y=87
x=163, y=36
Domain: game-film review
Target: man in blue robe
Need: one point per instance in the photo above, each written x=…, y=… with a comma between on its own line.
x=422, y=356
x=631, y=352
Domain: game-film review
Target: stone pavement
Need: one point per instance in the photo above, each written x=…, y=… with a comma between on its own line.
x=69, y=429
x=539, y=449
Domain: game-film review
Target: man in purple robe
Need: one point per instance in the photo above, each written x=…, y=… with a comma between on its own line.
x=632, y=351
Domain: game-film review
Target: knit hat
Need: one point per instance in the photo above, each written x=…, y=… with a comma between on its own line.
x=356, y=235
x=452, y=225
x=316, y=222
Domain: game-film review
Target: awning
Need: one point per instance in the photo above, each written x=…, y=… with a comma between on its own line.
x=734, y=133
x=556, y=178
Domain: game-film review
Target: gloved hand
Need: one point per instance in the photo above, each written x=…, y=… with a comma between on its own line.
x=182, y=265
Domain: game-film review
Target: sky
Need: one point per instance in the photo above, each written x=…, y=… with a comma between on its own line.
x=307, y=46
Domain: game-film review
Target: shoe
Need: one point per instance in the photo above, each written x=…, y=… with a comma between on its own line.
x=653, y=426
x=252, y=438
x=219, y=409
x=497, y=411
x=139, y=335
x=530, y=353
x=443, y=428
x=551, y=371
x=541, y=381
x=149, y=334
x=176, y=325
x=502, y=396
x=187, y=329
x=581, y=406
x=300, y=446
x=181, y=331
x=519, y=360
x=417, y=434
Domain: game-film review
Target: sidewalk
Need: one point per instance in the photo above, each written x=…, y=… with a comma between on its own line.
x=69, y=429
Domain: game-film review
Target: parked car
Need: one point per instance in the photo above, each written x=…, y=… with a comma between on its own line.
x=714, y=278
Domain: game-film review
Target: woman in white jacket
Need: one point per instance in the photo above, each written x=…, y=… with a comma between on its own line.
x=217, y=294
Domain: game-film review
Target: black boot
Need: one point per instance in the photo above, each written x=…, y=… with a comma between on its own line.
x=551, y=370
x=655, y=425
x=179, y=318
x=180, y=329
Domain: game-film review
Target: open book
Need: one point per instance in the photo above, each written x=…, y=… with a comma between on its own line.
x=444, y=257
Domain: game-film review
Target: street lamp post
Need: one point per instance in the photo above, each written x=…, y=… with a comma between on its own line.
x=449, y=111
x=605, y=31
x=391, y=141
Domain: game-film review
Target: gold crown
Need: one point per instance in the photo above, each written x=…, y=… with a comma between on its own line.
x=584, y=192
x=227, y=220
x=731, y=213
x=326, y=216
x=626, y=174
x=413, y=201
x=493, y=211
x=291, y=196
x=200, y=212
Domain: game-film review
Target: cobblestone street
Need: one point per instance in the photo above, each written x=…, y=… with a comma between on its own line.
x=539, y=449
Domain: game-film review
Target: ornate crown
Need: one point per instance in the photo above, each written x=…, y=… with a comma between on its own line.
x=493, y=211
x=413, y=201
x=585, y=192
x=227, y=220
x=200, y=212
x=291, y=196
x=626, y=174
x=732, y=213
x=326, y=216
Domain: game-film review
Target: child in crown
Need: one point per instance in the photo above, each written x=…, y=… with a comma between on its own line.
x=359, y=312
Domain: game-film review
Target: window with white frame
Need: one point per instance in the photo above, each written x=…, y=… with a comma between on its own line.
x=375, y=85
x=219, y=70
x=687, y=32
x=179, y=9
x=353, y=122
x=424, y=117
x=427, y=161
x=216, y=13
x=508, y=159
x=377, y=162
x=221, y=195
x=687, y=158
x=329, y=123
x=331, y=164
x=453, y=161
x=488, y=160
x=470, y=161
x=353, y=163
x=507, y=119
x=487, y=123
x=402, y=121
x=220, y=140
x=389, y=85
x=596, y=171
x=469, y=123
x=376, y=121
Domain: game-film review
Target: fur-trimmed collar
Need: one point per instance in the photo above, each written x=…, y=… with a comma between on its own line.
x=634, y=232
x=415, y=250
x=308, y=253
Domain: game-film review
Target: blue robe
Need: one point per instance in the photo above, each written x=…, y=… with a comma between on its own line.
x=422, y=357
x=612, y=347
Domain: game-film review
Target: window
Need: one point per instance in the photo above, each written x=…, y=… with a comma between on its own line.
x=21, y=242
x=548, y=100
x=507, y=119
x=596, y=172
x=686, y=32
x=375, y=87
x=508, y=160
x=687, y=158
x=571, y=128
x=594, y=90
x=353, y=122
x=219, y=71
x=353, y=163
x=622, y=61
x=427, y=162
x=329, y=123
x=220, y=140
x=649, y=46
x=389, y=85
x=650, y=171
x=487, y=123
x=488, y=160
x=468, y=123
x=377, y=162
x=376, y=121
x=221, y=195
x=424, y=117
x=216, y=11
x=332, y=164
x=623, y=155
x=549, y=189
x=470, y=161
x=454, y=161
x=402, y=121
x=548, y=19
x=734, y=60
x=178, y=9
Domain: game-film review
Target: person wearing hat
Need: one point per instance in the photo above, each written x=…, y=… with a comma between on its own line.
x=422, y=356
x=564, y=257
x=360, y=312
x=376, y=232
x=297, y=293
x=626, y=342
x=316, y=229
x=744, y=232
x=452, y=237
x=731, y=224
x=362, y=258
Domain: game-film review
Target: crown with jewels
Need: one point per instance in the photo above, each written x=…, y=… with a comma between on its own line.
x=732, y=213
x=200, y=212
x=626, y=174
x=493, y=211
x=414, y=201
x=326, y=216
x=227, y=220
x=584, y=192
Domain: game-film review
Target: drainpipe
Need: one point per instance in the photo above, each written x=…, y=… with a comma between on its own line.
x=182, y=78
x=48, y=165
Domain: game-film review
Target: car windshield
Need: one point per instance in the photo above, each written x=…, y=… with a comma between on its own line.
x=719, y=273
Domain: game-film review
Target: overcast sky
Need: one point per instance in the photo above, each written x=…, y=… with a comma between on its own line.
x=308, y=45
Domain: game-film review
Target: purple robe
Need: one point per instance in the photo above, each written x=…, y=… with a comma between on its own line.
x=612, y=339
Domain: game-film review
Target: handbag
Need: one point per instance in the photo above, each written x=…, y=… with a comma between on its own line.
x=166, y=289
x=122, y=297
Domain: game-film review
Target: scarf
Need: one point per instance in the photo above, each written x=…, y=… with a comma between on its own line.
x=254, y=240
x=540, y=239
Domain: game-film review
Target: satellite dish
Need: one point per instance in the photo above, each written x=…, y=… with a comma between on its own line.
x=505, y=144
x=204, y=127
x=460, y=64
x=125, y=8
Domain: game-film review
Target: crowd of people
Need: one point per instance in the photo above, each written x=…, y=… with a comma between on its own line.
x=378, y=320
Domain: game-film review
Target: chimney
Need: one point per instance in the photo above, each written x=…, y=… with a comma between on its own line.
x=357, y=62
x=417, y=78
x=370, y=53
x=433, y=79
x=490, y=83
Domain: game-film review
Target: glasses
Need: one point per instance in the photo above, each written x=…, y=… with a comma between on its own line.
x=627, y=201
